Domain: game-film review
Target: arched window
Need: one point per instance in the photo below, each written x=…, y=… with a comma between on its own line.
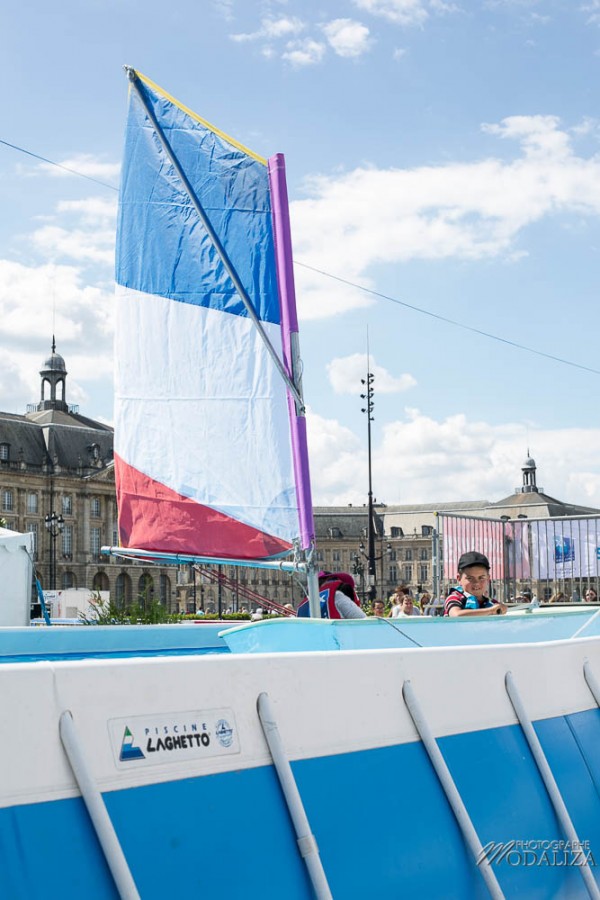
x=145, y=589
x=123, y=590
x=100, y=582
x=67, y=581
x=165, y=590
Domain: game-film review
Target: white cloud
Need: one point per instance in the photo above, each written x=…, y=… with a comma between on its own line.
x=400, y=12
x=345, y=374
x=307, y=52
x=321, y=298
x=336, y=461
x=51, y=298
x=37, y=302
x=91, y=239
x=456, y=210
x=92, y=210
x=347, y=37
x=224, y=8
x=538, y=135
x=423, y=460
x=593, y=12
x=56, y=243
x=272, y=29
x=85, y=164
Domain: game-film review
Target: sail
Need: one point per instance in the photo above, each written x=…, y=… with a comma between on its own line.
x=210, y=445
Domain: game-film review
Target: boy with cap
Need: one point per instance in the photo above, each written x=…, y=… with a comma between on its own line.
x=469, y=598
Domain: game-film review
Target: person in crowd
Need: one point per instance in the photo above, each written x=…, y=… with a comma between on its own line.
x=558, y=597
x=590, y=595
x=469, y=597
x=425, y=603
x=339, y=599
x=408, y=607
x=379, y=608
x=395, y=602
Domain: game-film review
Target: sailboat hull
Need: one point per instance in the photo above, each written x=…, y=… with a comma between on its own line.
x=206, y=816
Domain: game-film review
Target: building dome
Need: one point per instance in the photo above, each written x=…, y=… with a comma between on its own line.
x=529, y=463
x=55, y=363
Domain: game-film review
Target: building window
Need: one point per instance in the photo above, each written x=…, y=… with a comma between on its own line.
x=95, y=541
x=115, y=536
x=95, y=507
x=68, y=581
x=165, y=589
x=32, y=503
x=423, y=554
x=426, y=530
x=7, y=501
x=146, y=589
x=100, y=582
x=396, y=532
x=408, y=556
x=4, y=452
x=320, y=556
x=393, y=555
x=67, y=541
x=393, y=574
x=123, y=589
x=422, y=573
x=407, y=574
x=67, y=505
x=33, y=529
x=336, y=556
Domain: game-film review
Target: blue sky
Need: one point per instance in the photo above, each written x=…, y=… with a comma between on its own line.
x=445, y=154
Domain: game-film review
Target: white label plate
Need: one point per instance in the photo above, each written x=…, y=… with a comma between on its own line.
x=172, y=737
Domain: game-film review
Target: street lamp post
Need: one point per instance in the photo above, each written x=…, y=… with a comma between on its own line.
x=387, y=553
x=54, y=525
x=368, y=409
x=358, y=570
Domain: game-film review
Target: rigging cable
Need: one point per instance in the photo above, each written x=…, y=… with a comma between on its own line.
x=427, y=312
x=59, y=165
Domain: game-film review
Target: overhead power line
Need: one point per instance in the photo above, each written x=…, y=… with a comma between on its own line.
x=359, y=287
x=427, y=312
x=59, y=165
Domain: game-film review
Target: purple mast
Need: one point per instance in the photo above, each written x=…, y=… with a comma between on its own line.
x=289, y=329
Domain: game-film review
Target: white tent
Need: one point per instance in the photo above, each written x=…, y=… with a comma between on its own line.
x=16, y=553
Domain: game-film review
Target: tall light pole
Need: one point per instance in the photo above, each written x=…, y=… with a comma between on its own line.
x=54, y=525
x=358, y=570
x=368, y=409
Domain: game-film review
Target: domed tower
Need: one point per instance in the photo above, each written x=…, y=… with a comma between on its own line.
x=54, y=377
x=529, y=477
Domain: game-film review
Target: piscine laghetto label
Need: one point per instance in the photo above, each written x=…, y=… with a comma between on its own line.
x=173, y=737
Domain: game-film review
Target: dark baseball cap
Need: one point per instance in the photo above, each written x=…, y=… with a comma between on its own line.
x=473, y=558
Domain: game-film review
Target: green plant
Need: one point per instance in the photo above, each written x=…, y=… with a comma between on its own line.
x=106, y=612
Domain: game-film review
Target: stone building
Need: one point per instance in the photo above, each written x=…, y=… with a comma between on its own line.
x=57, y=482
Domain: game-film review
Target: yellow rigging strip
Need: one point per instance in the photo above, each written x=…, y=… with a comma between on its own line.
x=189, y=112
